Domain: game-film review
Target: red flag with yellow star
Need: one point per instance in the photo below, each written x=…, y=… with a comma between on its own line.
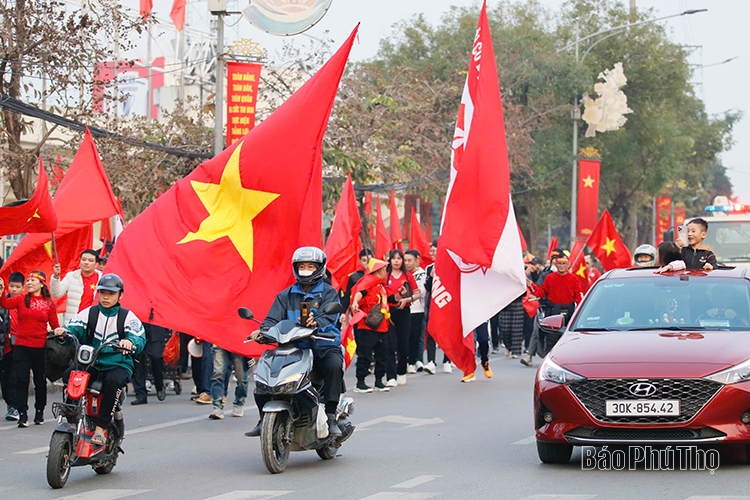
x=34, y=215
x=588, y=196
x=397, y=235
x=223, y=237
x=606, y=244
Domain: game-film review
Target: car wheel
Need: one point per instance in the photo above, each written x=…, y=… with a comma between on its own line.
x=554, y=453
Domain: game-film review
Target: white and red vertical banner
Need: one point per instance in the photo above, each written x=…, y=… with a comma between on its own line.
x=588, y=196
x=663, y=216
x=242, y=96
x=479, y=268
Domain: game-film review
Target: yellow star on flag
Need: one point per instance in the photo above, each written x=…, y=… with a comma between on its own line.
x=609, y=246
x=35, y=216
x=231, y=209
x=581, y=271
x=588, y=182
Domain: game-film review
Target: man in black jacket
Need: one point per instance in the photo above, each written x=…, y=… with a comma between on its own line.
x=364, y=257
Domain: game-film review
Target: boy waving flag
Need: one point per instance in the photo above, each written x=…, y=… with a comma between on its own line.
x=479, y=268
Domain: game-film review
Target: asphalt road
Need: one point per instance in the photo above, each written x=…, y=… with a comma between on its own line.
x=432, y=438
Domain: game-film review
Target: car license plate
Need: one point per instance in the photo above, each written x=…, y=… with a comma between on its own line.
x=643, y=407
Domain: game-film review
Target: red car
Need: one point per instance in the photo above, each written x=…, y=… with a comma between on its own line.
x=649, y=359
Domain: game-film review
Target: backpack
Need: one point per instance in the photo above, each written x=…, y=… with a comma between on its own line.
x=122, y=314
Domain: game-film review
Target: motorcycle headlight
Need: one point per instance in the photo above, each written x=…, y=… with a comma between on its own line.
x=732, y=375
x=553, y=372
x=294, y=378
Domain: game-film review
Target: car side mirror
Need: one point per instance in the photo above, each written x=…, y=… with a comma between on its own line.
x=245, y=313
x=555, y=323
x=332, y=308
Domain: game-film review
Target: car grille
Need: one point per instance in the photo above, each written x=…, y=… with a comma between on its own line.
x=645, y=435
x=693, y=394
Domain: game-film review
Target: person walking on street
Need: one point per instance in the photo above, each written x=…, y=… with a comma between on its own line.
x=416, y=335
x=36, y=310
x=402, y=291
x=156, y=337
x=482, y=337
x=8, y=329
x=79, y=285
x=223, y=361
x=364, y=257
x=430, y=367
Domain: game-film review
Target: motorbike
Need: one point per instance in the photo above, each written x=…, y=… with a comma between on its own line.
x=71, y=445
x=294, y=418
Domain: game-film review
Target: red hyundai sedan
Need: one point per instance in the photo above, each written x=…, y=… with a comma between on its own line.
x=649, y=359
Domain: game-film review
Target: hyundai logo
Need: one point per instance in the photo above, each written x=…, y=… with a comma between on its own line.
x=642, y=389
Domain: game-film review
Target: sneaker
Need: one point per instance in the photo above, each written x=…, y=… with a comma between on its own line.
x=238, y=411
x=136, y=402
x=419, y=366
x=204, y=399
x=362, y=388
x=514, y=356
x=447, y=368
x=487, y=370
x=224, y=401
x=12, y=415
x=430, y=368
x=401, y=379
x=391, y=383
x=495, y=350
x=194, y=392
x=411, y=369
x=161, y=395
x=469, y=378
x=507, y=353
x=23, y=420
x=39, y=417
x=217, y=414
x=526, y=361
x=381, y=387
x=333, y=427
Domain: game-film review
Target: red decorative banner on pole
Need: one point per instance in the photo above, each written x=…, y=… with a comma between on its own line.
x=588, y=196
x=680, y=214
x=242, y=95
x=663, y=216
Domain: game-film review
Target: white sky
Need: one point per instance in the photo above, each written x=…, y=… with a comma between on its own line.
x=721, y=33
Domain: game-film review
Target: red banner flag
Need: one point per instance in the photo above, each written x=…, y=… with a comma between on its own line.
x=418, y=240
x=663, y=217
x=588, y=196
x=606, y=244
x=34, y=215
x=177, y=14
x=242, y=96
x=382, y=239
x=522, y=238
x=680, y=214
x=397, y=235
x=554, y=242
x=57, y=173
x=344, y=243
x=146, y=7
x=223, y=237
x=479, y=268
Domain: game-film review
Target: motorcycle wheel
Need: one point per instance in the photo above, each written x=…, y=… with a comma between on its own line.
x=59, y=459
x=327, y=452
x=274, y=445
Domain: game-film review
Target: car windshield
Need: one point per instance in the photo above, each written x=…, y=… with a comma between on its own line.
x=729, y=240
x=666, y=302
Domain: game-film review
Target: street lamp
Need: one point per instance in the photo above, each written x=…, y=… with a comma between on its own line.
x=576, y=113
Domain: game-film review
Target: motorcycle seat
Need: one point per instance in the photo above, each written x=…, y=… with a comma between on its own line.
x=95, y=387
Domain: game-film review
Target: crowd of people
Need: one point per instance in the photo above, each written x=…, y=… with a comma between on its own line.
x=387, y=301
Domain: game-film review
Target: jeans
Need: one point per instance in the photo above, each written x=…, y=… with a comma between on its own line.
x=431, y=350
x=27, y=359
x=207, y=365
x=223, y=361
x=416, y=338
x=483, y=338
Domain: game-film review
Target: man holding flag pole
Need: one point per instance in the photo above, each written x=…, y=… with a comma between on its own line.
x=479, y=267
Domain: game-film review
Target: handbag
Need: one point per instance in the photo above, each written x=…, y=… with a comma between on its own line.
x=374, y=318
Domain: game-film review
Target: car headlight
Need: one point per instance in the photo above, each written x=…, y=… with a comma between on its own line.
x=732, y=375
x=553, y=372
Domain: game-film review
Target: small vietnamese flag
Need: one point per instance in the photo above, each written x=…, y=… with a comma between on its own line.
x=344, y=244
x=382, y=239
x=606, y=244
x=177, y=14
x=553, y=243
x=397, y=235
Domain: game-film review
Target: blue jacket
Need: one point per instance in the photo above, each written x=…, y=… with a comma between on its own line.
x=286, y=306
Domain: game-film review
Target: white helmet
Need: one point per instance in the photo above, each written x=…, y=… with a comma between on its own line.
x=643, y=251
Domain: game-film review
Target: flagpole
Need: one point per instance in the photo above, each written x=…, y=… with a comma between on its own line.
x=54, y=249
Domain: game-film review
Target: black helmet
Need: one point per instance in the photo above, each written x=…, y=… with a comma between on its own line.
x=314, y=256
x=111, y=282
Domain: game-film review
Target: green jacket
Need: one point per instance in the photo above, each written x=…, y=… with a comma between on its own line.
x=106, y=331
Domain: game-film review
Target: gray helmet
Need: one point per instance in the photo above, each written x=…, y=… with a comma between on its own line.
x=645, y=250
x=314, y=256
x=111, y=282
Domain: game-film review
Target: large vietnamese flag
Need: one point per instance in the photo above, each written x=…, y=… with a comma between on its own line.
x=606, y=244
x=83, y=198
x=344, y=243
x=34, y=215
x=223, y=237
x=479, y=268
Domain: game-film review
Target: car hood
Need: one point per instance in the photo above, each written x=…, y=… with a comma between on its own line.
x=655, y=353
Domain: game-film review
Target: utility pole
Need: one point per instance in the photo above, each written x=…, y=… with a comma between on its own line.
x=576, y=115
x=219, y=99
x=150, y=74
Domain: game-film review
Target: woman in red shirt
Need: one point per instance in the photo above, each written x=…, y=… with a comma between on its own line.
x=402, y=291
x=35, y=311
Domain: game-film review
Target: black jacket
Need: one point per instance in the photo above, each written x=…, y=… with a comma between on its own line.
x=696, y=259
x=346, y=297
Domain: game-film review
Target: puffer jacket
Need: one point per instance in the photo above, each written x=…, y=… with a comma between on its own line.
x=72, y=284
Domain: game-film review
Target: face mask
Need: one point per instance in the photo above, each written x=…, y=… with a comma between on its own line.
x=305, y=273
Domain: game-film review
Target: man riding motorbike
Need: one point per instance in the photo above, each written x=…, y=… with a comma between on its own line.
x=113, y=368
x=309, y=268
